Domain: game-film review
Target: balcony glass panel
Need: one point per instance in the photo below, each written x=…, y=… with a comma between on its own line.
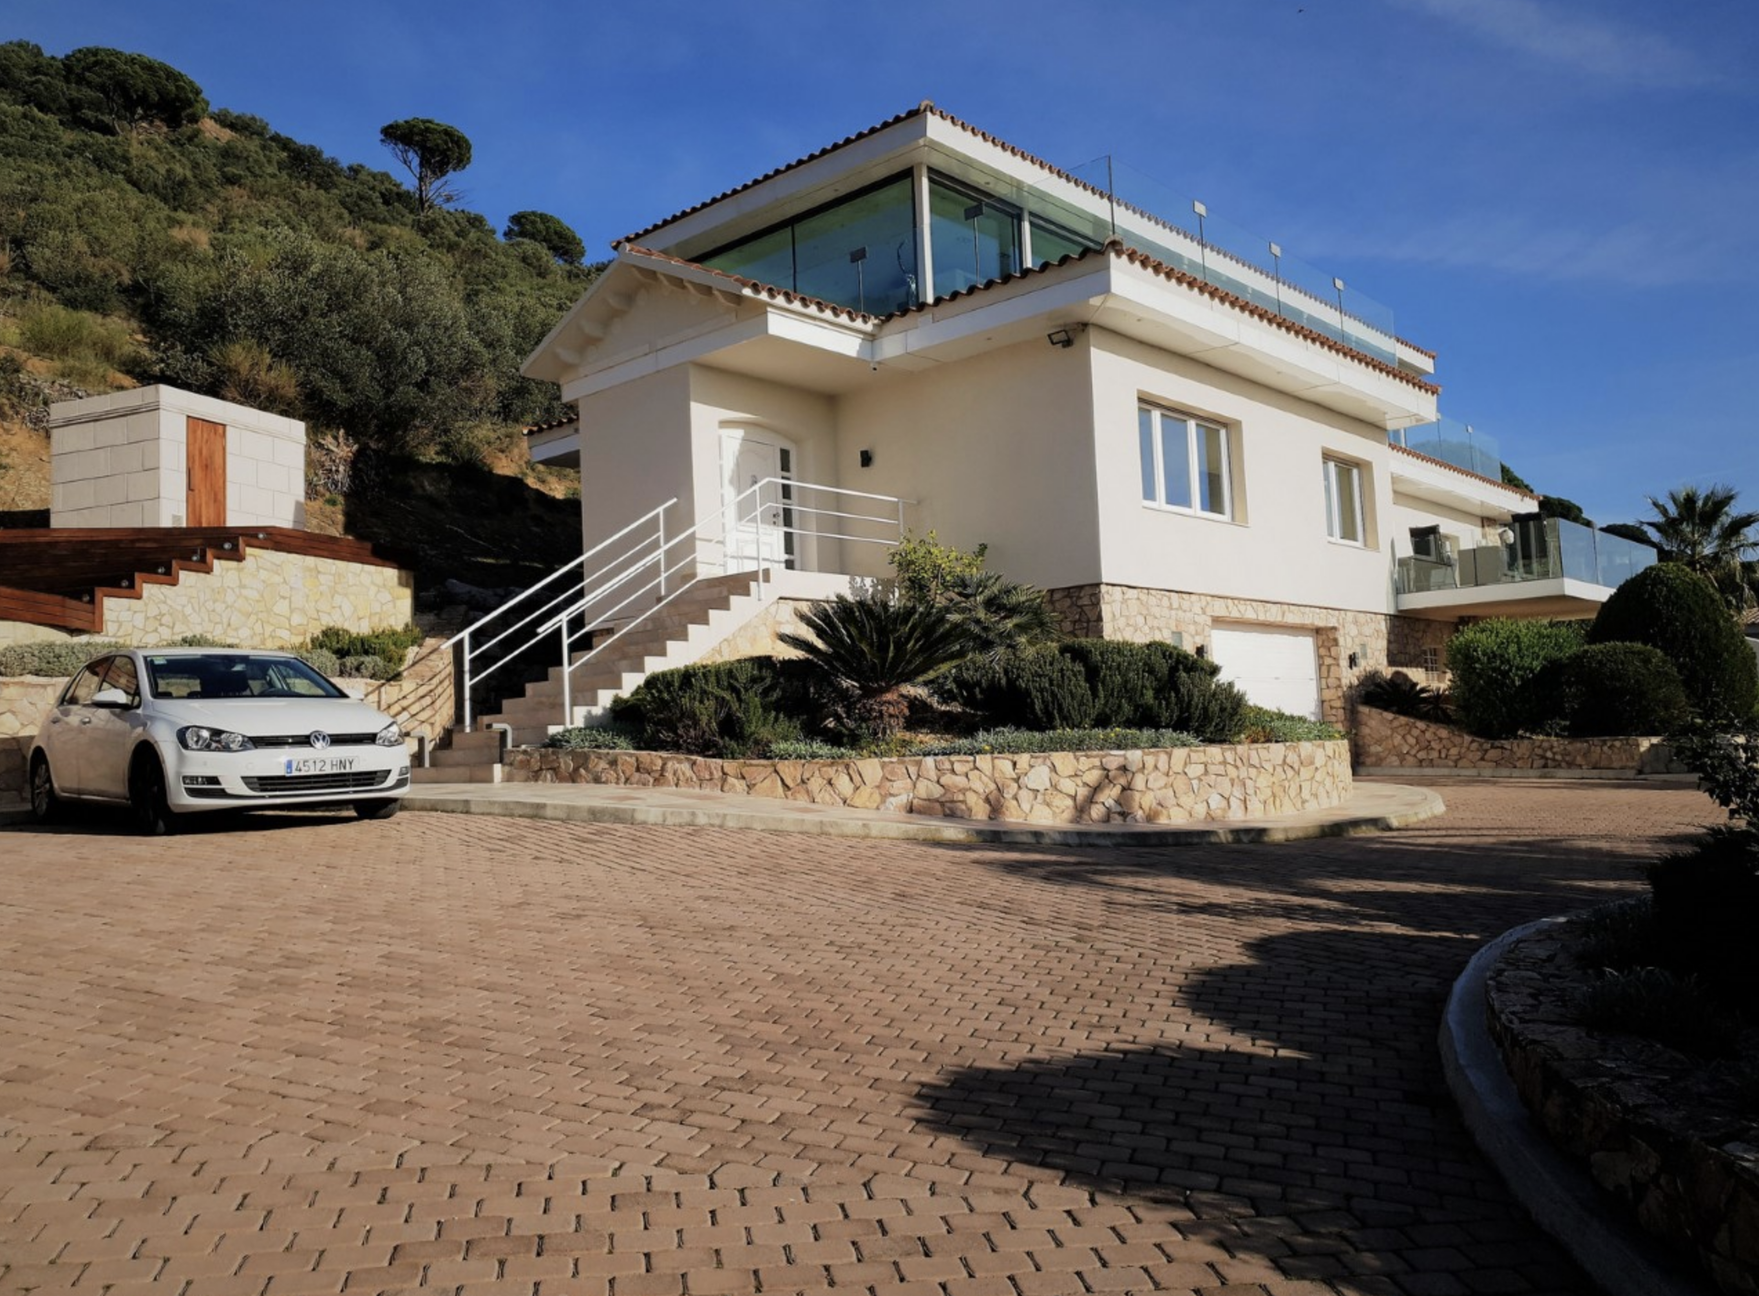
x=1453, y=442
x=1535, y=549
x=1053, y=242
x=976, y=238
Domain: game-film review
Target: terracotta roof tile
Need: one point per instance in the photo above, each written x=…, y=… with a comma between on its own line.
x=1424, y=351
x=1464, y=472
x=753, y=286
x=565, y=421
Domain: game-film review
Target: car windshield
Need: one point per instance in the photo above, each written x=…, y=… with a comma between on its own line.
x=209, y=676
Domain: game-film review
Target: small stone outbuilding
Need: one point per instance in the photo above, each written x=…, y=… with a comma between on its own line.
x=161, y=457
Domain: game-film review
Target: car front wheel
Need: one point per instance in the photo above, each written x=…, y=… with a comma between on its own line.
x=378, y=809
x=45, y=805
x=146, y=794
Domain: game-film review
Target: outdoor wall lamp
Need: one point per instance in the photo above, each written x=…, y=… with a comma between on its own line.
x=1060, y=338
x=867, y=458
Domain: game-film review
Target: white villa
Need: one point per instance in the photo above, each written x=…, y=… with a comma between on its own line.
x=923, y=327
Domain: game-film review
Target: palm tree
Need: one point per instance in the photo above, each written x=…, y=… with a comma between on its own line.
x=1001, y=613
x=1702, y=530
x=873, y=647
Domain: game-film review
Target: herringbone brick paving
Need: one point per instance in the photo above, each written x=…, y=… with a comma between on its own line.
x=305, y=1056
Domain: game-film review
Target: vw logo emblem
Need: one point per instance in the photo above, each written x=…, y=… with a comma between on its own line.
x=319, y=740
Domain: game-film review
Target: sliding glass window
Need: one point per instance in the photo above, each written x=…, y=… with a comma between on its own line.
x=858, y=252
x=975, y=238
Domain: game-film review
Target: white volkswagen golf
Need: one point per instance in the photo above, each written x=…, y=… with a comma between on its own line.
x=172, y=730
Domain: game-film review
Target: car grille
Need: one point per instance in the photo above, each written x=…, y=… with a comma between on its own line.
x=304, y=740
x=360, y=781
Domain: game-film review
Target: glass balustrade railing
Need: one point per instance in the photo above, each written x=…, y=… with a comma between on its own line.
x=1532, y=550
x=1453, y=442
x=1174, y=228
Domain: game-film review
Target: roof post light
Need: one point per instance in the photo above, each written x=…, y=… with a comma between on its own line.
x=1276, y=257
x=1201, y=210
x=1343, y=328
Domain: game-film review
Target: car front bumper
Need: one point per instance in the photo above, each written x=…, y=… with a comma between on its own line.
x=232, y=780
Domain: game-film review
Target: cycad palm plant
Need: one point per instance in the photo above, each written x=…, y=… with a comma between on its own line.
x=874, y=647
x=1702, y=530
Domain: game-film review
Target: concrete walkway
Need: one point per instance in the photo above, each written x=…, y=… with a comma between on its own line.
x=1375, y=807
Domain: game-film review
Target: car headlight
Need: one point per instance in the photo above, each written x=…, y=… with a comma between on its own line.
x=200, y=738
x=390, y=736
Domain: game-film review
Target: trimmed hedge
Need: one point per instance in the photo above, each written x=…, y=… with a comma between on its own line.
x=349, y=647
x=734, y=709
x=57, y=658
x=1506, y=675
x=1674, y=609
x=1622, y=688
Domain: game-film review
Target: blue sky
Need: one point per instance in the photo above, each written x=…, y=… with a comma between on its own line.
x=1558, y=196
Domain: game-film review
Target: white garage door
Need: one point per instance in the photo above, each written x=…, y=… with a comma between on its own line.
x=1274, y=667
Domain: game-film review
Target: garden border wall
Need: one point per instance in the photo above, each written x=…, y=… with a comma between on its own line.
x=1607, y=1103
x=1159, y=785
x=1384, y=741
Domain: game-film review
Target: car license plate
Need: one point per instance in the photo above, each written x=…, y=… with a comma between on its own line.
x=320, y=765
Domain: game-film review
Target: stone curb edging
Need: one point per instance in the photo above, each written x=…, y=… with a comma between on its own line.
x=1560, y=1195
x=1443, y=772
x=1413, y=805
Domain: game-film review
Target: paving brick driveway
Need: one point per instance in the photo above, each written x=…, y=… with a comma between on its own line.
x=314, y=1056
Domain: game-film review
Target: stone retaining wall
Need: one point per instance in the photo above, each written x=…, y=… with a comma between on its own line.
x=1168, y=785
x=1387, y=741
x=1687, y=1173
x=269, y=600
x=24, y=701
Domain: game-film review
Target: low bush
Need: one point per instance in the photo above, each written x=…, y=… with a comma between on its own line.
x=1402, y=695
x=1680, y=612
x=1103, y=684
x=390, y=646
x=1506, y=675
x=1261, y=725
x=611, y=737
x=368, y=668
x=1660, y=1005
x=813, y=749
x=57, y=658
x=1017, y=742
x=321, y=660
x=1706, y=900
x=1622, y=688
x=1620, y=936
x=732, y=709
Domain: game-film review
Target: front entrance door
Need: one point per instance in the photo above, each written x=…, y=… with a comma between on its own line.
x=757, y=490
x=205, y=463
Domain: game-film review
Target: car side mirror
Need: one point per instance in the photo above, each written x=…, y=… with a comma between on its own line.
x=111, y=699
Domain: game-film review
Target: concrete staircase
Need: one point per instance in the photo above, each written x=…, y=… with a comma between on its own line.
x=686, y=629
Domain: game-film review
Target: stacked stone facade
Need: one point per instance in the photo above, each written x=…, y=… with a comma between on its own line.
x=1378, y=641
x=1385, y=741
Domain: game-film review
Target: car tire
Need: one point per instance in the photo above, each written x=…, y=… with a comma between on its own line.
x=146, y=795
x=45, y=805
x=378, y=809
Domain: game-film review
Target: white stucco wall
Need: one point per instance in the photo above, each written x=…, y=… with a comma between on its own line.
x=1275, y=547
x=994, y=449
x=120, y=460
x=635, y=454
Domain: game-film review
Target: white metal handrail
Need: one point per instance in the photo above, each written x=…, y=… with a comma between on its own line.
x=646, y=560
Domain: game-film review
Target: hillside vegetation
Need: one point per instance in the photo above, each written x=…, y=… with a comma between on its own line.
x=147, y=238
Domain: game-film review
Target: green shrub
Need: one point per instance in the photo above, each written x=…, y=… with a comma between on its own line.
x=1661, y=1005
x=1262, y=725
x=1402, y=695
x=1034, y=688
x=812, y=749
x=728, y=709
x=1706, y=900
x=1505, y=675
x=1622, y=688
x=611, y=737
x=1678, y=611
x=197, y=641
x=367, y=668
x=1620, y=936
x=1098, y=683
x=62, y=334
x=928, y=571
x=57, y=658
x=323, y=661
x=1026, y=741
x=390, y=647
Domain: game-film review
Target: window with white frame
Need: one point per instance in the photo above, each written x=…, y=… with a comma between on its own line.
x=1343, y=502
x=1184, y=462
